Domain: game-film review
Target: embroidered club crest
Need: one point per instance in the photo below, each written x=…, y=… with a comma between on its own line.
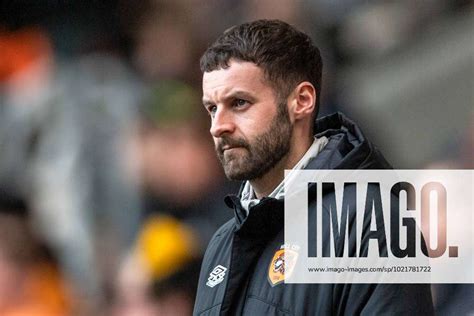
x=282, y=264
x=216, y=276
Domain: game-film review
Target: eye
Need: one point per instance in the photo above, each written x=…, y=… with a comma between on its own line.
x=212, y=110
x=240, y=102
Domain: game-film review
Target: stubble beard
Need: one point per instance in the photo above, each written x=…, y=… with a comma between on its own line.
x=257, y=157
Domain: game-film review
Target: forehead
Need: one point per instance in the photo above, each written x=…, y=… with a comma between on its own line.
x=239, y=76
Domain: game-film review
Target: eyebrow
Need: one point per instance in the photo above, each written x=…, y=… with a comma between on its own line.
x=206, y=103
x=238, y=94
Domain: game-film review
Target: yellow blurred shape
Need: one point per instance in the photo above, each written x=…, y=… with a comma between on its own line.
x=165, y=245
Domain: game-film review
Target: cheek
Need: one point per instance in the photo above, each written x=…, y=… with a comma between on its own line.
x=250, y=123
x=254, y=129
x=260, y=115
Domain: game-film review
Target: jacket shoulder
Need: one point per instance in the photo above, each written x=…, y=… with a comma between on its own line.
x=225, y=230
x=220, y=241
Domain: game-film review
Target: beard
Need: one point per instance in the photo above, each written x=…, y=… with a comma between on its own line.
x=254, y=158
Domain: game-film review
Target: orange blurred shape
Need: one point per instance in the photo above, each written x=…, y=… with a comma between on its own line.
x=46, y=294
x=21, y=49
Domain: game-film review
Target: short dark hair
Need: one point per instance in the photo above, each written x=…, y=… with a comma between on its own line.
x=286, y=55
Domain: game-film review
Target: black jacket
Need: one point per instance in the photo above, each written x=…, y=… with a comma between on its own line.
x=235, y=270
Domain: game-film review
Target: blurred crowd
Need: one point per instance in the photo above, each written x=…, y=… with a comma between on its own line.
x=109, y=185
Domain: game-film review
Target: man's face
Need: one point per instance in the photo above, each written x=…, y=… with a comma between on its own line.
x=251, y=130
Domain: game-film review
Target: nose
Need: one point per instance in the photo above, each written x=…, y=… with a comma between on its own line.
x=222, y=123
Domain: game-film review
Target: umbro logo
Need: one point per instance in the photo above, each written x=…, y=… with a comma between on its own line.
x=216, y=276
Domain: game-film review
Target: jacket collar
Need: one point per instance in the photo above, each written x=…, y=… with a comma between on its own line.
x=264, y=220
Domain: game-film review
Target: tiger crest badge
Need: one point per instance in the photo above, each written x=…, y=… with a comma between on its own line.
x=282, y=264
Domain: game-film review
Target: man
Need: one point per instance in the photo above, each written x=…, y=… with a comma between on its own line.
x=261, y=87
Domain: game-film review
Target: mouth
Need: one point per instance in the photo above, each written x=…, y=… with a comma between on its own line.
x=230, y=145
x=227, y=148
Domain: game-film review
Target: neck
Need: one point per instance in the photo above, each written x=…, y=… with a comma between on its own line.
x=265, y=185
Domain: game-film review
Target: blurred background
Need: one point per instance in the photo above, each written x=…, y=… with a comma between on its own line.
x=109, y=185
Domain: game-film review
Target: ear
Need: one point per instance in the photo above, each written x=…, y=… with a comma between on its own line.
x=303, y=101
